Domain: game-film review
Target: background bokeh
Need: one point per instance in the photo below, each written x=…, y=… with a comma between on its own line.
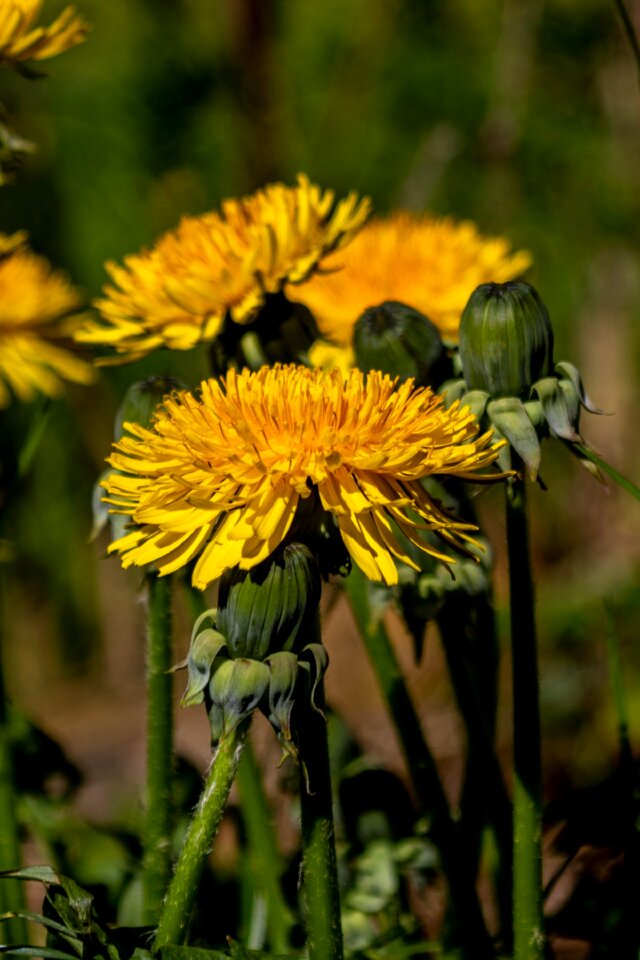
x=523, y=115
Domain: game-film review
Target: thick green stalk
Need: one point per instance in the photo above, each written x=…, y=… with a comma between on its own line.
x=266, y=864
x=158, y=818
x=266, y=861
x=468, y=637
x=320, y=875
x=528, y=927
x=470, y=928
x=183, y=888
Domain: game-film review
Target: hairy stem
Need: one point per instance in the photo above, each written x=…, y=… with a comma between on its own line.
x=321, y=892
x=183, y=888
x=529, y=940
x=156, y=861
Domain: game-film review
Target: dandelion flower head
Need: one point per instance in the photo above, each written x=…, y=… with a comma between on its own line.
x=431, y=264
x=179, y=292
x=39, y=311
x=20, y=40
x=220, y=476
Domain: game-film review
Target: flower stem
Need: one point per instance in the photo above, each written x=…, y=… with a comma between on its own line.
x=528, y=925
x=266, y=864
x=156, y=861
x=423, y=772
x=322, y=895
x=183, y=888
x=470, y=644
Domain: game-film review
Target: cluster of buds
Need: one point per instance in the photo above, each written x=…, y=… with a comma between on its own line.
x=510, y=379
x=260, y=648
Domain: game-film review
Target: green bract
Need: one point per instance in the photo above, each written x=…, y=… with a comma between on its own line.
x=140, y=401
x=259, y=649
x=402, y=342
x=510, y=381
x=271, y=607
x=506, y=340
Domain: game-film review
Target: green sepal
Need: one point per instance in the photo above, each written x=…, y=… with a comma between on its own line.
x=535, y=412
x=452, y=390
x=206, y=645
x=477, y=401
x=573, y=374
x=235, y=690
x=508, y=414
x=572, y=400
x=141, y=401
x=283, y=680
x=504, y=454
x=555, y=409
x=314, y=660
x=283, y=670
x=269, y=607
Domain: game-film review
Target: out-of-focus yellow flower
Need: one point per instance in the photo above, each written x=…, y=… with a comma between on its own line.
x=431, y=264
x=221, y=476
x=328, y=356
x=39, y=311
x=178, y=293
x=21, y=41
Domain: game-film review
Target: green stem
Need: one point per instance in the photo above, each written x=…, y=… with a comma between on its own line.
x=11, y=894
x=529, y=940
x=320, y=875
x=468, y=637
x=158, y=821
x=423, y=772
x=266, y=864
x=183, y=888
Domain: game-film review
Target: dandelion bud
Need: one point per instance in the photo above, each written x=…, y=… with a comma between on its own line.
x=506, y=340
x=271, y=607
x=141, y=400
x=402, y=342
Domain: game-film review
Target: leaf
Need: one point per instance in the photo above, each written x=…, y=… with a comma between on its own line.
x=48, y=953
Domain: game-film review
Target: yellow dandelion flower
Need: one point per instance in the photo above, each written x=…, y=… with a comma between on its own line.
x=220, y=476
x=39, y=310
x=179, y=292
x=21, y=41
x=431, y=264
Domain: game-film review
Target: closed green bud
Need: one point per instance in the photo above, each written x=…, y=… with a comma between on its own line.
x=506, y=340
x=272, y=606
x=141, y=400
x=402, y=342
